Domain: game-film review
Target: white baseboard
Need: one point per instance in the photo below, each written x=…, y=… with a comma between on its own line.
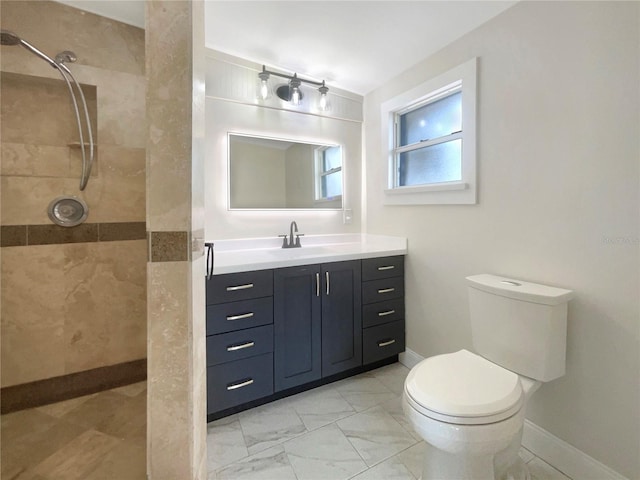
x=563, y=456
x=409, y=358
x=556, y=452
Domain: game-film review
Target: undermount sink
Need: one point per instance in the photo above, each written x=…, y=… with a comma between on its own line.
x=303, y=251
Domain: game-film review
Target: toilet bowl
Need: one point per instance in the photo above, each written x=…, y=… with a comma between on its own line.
x=469, y=407
x=470, y=412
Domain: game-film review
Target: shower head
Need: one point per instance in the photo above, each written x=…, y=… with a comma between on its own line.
x=9, y=38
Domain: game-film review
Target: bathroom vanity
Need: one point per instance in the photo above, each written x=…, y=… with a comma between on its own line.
x=328, y=310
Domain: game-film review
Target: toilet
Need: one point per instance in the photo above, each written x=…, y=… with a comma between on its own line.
x=469, y=407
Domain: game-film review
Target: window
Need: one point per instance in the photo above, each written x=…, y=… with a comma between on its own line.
x=429, y=135
x=328, y=173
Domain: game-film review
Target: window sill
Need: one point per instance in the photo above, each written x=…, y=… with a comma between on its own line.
x=435, y=187
x=450, y=193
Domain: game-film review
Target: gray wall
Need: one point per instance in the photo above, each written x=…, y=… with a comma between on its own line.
x=558, y=159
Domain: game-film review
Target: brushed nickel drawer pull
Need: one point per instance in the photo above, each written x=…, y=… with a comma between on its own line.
x=241, y=316
x=246, y=383
x=317, y=284
x=240, y=287
x=233, y=348
x=388, y=312
x=327, y=277
x=387, y=267
x=388, y=342
x=386, y=290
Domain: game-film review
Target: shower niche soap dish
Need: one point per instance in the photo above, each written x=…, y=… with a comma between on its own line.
x=68, y=211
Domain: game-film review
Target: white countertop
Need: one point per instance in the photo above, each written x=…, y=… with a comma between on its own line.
x=246, y=254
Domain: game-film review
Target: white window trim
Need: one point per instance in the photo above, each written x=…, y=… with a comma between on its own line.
x=462, y=192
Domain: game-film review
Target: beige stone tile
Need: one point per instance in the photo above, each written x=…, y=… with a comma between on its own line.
x=127, y=461
x=169, y=398
x=60, y=409
x=29, y=436
x=105, y=309
x=78, y=458
x=97, y=410
x=34, y=160
x=121, y=109
x=118, y=193
x=32, y=313
x=128, y=421
x=132, y=390
x=96, y=40
x=25, y=199
x=36, y=107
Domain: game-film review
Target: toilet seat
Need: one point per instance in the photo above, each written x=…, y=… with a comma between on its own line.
x=463, y=388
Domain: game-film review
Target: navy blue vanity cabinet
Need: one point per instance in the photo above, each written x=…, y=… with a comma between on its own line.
x=317, y=321
x=341, y=317
x=383, y=333
x=297, y=327
x=239, y=339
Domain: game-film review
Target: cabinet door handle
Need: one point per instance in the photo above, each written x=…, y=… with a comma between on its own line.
x=233, y=348
x=386, y=267
x=384, y=343
x=326, y=274
x=386, y=290
x=241, y=316
x=234, y=386
x=209, y=247
x=317, y=284
x=240, y=287
x=388, y=312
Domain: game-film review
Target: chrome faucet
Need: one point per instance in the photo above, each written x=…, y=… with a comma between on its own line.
x=290, y=242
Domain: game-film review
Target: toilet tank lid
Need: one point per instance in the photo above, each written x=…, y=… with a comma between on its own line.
x=519, y=290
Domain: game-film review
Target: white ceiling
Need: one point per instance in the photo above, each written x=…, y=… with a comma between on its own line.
x=354, y=45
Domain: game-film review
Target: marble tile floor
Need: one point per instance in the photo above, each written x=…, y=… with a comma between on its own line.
x=95, y=437
x=352, y=429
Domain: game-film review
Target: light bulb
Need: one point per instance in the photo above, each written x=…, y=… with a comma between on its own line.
x=295, y=96
x=264, y=90
x=323, y=103
x=294, y=90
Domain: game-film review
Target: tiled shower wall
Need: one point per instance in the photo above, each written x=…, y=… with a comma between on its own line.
x=72, y=299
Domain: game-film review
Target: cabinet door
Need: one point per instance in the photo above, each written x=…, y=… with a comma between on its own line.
x=341, y=317
x=297, y=326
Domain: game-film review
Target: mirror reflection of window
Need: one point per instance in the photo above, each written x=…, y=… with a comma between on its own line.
x=328, y=173
x=268, y=173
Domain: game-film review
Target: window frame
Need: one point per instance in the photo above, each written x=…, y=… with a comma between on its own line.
x=461, y=78
x=320, y=172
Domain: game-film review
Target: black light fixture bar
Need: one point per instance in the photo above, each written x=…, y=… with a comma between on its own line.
x=294, y=77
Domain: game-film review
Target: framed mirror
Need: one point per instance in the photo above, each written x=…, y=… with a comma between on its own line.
x=271, y=173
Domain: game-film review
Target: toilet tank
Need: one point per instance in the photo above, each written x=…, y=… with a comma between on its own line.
x=518, y=325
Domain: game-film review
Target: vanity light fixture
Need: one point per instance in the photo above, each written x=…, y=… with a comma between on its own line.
x=290, y=92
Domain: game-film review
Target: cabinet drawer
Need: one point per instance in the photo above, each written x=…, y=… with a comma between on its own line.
x=231, y=346
x=382, y=341
x=382, y=312
x=238, y=382
x=382, y=290
x=383, y=267
x=232, y=316
x=239, y=286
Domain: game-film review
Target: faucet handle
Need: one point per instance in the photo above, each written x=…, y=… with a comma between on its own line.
x=284, y=240
x=298, y=235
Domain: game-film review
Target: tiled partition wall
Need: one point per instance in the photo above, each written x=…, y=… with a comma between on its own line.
x=73, y=300
x=176, y=426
